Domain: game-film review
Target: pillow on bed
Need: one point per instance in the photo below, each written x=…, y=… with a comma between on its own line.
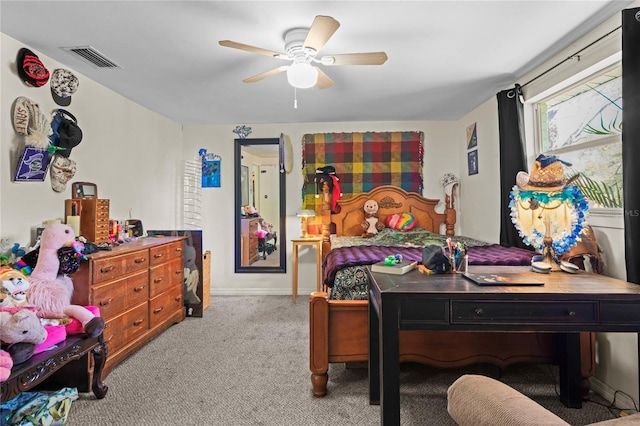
x=401, y=221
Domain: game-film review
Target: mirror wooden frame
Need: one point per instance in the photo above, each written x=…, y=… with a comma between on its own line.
x=282, y=238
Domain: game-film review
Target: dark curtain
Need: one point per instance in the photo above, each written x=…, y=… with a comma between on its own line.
x=512, y=159
x=631, y=140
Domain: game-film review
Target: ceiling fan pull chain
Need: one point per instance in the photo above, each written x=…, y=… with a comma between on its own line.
x=295, y=98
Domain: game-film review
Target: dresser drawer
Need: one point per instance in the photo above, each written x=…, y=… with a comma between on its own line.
x=118, y=296
x=163, y=306
x=124, y=328
x=166, y=275
x=533, y=312
x=166, y=252
x=114, y=267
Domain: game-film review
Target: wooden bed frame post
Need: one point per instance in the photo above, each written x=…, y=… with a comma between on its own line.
x=326, y=219
x=319, y=343
x=450, y=214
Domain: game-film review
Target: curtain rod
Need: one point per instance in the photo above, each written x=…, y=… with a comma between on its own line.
x=571, y=57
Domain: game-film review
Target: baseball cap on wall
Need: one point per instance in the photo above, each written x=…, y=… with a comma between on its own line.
x=63, y=85
x=31, y=69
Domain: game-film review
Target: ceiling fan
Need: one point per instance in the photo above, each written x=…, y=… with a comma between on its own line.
x=302, y=46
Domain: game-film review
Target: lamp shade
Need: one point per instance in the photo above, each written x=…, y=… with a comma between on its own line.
x=305, y=213
x=302, y=75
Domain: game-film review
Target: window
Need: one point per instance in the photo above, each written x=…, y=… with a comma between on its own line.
x=582, y=124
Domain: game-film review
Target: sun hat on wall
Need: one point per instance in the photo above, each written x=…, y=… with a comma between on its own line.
x=63, y=84
x=31, y=69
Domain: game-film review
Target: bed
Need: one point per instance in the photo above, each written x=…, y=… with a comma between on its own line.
x=338, y=315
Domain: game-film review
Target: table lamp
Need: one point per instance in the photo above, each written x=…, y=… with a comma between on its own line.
x=548, y=212
x=303, y=215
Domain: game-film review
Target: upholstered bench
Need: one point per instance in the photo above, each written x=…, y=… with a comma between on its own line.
x=474, y=400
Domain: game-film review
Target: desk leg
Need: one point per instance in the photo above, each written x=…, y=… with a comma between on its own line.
x=390, y=363
x=294, y=284
x=374, y=355
x=570, y=369
x=99, y=358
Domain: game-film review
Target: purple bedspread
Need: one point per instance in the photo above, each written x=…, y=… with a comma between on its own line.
x=493, y=254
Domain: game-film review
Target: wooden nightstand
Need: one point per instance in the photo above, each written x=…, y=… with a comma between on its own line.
x=310, y=241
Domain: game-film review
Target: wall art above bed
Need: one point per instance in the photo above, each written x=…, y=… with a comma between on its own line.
x=363, y=161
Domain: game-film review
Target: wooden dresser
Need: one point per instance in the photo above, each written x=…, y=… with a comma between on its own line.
x=138, y=287
x=249, y=241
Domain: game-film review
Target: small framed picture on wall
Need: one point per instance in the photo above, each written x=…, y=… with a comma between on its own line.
x=472, y=162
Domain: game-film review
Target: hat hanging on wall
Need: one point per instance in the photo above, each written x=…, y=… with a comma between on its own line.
x=63, y=84
x=62, y=171
x=31, y=69
x=28, y=120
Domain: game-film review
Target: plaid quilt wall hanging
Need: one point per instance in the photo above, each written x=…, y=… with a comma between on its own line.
x=362, y=161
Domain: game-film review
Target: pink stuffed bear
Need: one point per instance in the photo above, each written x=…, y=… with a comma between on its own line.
x=51, y=292
x=5, y=365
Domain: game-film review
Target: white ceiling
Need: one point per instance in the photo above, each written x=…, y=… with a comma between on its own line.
x=445, y=57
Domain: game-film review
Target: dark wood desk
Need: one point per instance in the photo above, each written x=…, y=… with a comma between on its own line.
x=47, y=369
x=566, y=305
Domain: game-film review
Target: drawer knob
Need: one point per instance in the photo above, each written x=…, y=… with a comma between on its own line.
x=107, y=269
x=105, y=302
x=140, y=260
x=572, y=313
x=158, y=310
x=179, y=249
x=157, y=255
x=157, y=280
x=138, y=322
x=178, y=298
x=178, y=271
x=479, y=312
x=138, y=289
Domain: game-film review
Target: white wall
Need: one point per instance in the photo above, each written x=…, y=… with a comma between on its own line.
x=131, y=153
x=441, y=155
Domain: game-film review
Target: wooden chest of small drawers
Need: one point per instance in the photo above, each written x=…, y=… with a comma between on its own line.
x=94, y=217
x=250, y=241
x=138, y=287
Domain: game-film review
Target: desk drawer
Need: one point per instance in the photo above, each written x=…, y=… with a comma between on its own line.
x=522, y=312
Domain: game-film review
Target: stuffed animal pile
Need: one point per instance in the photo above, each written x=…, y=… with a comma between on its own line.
x=51, y=291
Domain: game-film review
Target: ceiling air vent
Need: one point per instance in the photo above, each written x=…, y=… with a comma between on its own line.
x=92, y=56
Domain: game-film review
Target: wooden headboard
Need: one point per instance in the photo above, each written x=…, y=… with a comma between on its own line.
x=391, y=200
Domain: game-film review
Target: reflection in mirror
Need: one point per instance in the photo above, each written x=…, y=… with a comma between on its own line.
x=259, y=207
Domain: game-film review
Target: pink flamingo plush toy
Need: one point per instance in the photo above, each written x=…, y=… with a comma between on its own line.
x=50, y=291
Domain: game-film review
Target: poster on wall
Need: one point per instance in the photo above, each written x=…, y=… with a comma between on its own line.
x=210, y=169
x=32, y=165
x=472, y=136
x=472, y=162
x=193, y=272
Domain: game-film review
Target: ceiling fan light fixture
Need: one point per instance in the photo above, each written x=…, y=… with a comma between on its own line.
x=302, y=75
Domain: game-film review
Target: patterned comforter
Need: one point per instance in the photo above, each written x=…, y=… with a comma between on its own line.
x=344, y=267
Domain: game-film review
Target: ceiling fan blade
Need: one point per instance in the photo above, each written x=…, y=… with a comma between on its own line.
x=265, y=74
x=249, y=48
x=324, y=82
x=371, y=58
x=320, y=32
